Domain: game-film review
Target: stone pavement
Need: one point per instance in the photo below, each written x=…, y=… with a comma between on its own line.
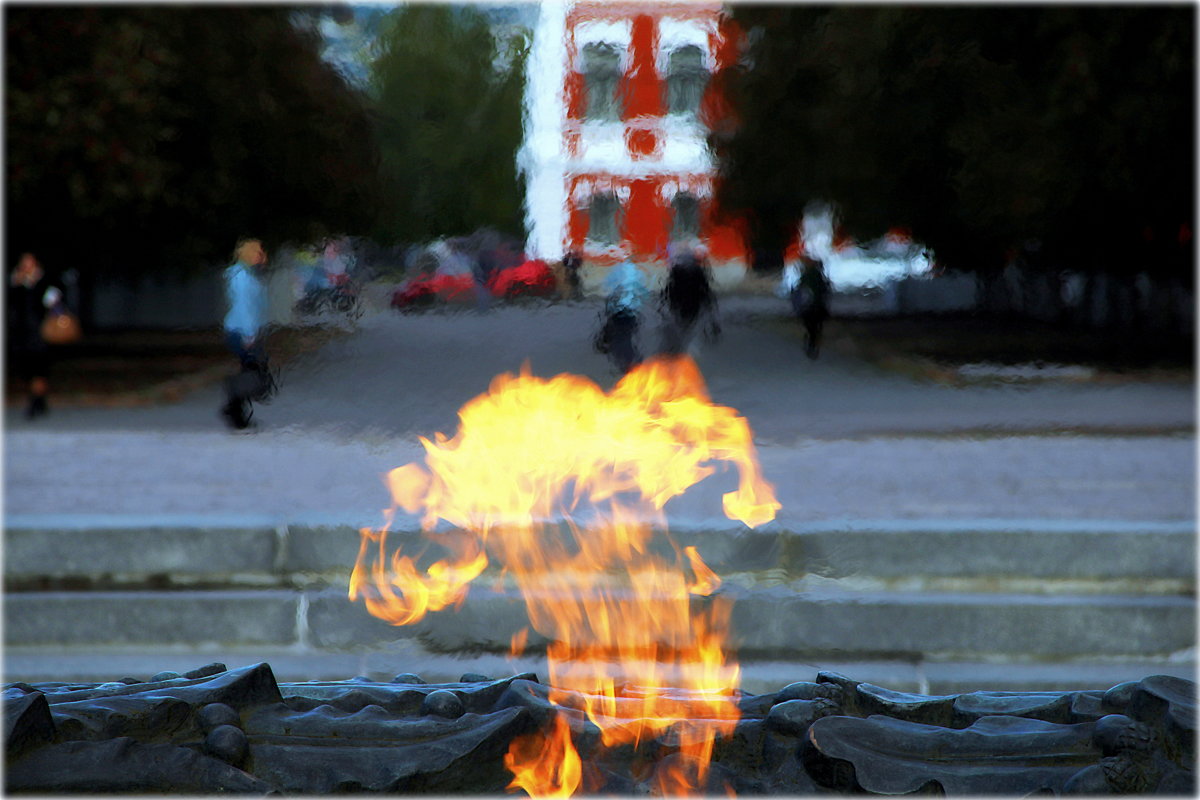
x=997, y=470
x=837, y=437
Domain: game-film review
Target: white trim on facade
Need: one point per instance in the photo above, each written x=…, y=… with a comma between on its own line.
x=542, y=157
x=699, y=186
x=683, y=147
x=676, y=33
x=618, y=33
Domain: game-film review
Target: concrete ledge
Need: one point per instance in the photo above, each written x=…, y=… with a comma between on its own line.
x=196, y=552
x=487, y=621
x=332, y=548
x=1059, y=552
x=194, y=548
x=1124, y=588
x=192, y=618
x=333, y=621
x=116, y=522
x=771, y=623
x=776, y=623
x=962, y=625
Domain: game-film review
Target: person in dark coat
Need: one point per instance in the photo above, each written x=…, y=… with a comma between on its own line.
x=31, y=294
x=687, y=298
x=572, y=262
x=810, y=300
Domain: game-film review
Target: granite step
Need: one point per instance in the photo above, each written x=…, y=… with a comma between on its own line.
x=1036, y=556
x=773, y=623
x=917, y=602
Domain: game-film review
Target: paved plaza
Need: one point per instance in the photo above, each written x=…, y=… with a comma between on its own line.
x=837, y=437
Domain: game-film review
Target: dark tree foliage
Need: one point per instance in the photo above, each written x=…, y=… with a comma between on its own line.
x=144, y=139
x=449, y=113
x=978, y=128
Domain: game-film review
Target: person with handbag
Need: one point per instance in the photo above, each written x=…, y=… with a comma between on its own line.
x=32, y=296
x=243, y=325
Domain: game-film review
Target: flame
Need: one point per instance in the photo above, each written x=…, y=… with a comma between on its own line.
x=545, y=764
x=563, y=486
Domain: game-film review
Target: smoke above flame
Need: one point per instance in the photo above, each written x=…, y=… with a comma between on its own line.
x=561, y=488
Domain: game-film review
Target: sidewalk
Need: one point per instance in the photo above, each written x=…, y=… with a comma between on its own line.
x=838, y=437
x=295, y=472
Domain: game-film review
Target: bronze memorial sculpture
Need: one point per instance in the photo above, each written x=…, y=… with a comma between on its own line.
x=218, y=730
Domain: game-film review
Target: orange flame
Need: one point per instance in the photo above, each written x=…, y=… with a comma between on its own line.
x=545, y=764
x=563, y=485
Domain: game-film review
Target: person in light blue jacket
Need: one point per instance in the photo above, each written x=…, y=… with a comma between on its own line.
x=244, y=322
x=625, y=288
x=625, y=292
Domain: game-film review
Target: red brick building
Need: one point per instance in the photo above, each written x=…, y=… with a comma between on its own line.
x=621, y=98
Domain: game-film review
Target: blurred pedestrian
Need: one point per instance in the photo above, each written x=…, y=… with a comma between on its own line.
x=335, y=258
x=572, y=262
x=244, y=323
x=625, y=292
x=689, y=304
x=810, y=301
x=318, y=280
x=31, y=295
x=314, y=296
x=483, y=267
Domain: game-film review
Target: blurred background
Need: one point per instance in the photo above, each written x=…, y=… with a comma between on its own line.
x=1036, y=161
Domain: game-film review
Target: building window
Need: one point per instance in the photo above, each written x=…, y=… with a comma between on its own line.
x=687, y=217
x=686, y=79
x=604, y=219
x=601, y=78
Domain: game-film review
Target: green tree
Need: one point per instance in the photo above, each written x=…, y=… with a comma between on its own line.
x=149, y=138
x=978, y=128
x=449, y=99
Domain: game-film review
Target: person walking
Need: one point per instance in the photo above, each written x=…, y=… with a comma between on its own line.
x=625, y=291
x=810, y=299
x=244, y=322
x=687, y=299
x=572, y=263
x=31, y=295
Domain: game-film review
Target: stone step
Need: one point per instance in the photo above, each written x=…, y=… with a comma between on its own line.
x=911, y=604
x=772, y=623
x=1030, y=556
